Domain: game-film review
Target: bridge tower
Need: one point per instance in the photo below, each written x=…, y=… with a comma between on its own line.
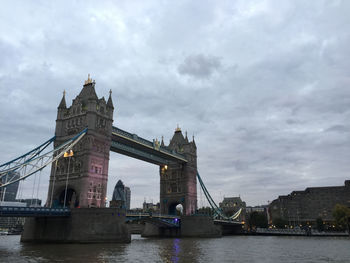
x=178, y=182
x=87, y=170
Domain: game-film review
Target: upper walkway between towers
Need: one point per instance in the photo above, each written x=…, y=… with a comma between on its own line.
x=134, y=146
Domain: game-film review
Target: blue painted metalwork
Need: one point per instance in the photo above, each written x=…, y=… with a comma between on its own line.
x=167, y=221
x=33, y=153
x=14, y=211
x=52, y=156
x=217, y=210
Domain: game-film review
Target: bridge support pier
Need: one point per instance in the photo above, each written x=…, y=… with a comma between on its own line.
x=230, y=230
x=151, y=230
x=84, y=225
x=199, y=226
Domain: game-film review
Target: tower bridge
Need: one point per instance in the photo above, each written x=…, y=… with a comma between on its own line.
x=79, y=180
x=87, y=186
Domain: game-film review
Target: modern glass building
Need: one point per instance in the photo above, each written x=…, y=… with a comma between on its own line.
x=11, y=190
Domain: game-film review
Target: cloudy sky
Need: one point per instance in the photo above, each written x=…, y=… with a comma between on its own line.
x=262, y=85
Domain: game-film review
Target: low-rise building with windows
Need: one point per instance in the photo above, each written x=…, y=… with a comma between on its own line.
x=304, y=207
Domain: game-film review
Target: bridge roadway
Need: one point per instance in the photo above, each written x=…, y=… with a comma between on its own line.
x=227, y=222
x=157, y=219
x=166, y=221
x=15, y=211
x=134, y=146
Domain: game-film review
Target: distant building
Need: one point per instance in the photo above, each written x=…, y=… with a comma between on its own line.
x=136, y=210
x=10, y=203
x=35, y=202
x=9, y=222
x=127, y=197
x=150, y=207
x=118, y=198
x=11, y=190
x=303, y=207
x=231, y=205
x=260, y=209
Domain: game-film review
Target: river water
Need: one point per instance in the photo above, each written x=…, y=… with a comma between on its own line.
x=225, y=249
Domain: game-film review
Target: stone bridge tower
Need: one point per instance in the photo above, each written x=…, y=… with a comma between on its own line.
x=178, y=182
x=88, y=168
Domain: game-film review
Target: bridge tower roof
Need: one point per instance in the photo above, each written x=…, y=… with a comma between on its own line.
x=178, y=138
x=88, y=91
x=63, y=104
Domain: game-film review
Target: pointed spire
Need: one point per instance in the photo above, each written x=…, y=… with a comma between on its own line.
x=193, y=140
x=178, y=129
x=88, y=92
x=110, y=102
x=89, y=80
x=63, y=104
x=186, y=138
x=162, y=142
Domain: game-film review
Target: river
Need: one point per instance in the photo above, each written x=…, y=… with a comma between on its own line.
x=225, y=249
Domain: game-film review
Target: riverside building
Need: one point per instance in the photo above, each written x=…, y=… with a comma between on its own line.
x=304, y=207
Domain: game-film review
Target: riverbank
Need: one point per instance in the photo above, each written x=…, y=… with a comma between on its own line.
x=296, y=232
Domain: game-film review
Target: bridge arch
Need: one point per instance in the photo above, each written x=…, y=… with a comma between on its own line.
x=72, y=198
x=175, y=208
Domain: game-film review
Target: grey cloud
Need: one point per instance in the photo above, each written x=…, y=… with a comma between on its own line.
x=199, y=66
x=338, y=128
x=278, y=120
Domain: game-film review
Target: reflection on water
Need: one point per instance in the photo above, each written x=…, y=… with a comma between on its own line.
x=178, y=250
x=226, y=249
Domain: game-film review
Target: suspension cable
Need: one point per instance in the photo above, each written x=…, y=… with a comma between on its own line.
x=57, y=153
x=37, y=190
x=31, y=200
x=53, y=184
x=217, y=210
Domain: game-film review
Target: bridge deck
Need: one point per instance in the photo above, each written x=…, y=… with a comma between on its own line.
x=164, y=221
x=134, y=146
x=14, y=211
x=226, y=222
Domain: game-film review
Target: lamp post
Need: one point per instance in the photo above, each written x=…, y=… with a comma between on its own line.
x=68, y=155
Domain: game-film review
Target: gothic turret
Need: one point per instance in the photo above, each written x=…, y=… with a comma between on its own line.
x=63, y=104
x=110, y=102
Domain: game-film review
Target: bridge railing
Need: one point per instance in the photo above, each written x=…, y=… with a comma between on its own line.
x=131, y=136
x=135, y=214
x=32, y=211
x=146, y=142
x=155, y=218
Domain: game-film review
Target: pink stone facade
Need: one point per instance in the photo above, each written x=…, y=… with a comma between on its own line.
x=178, y=182
x=87, y=170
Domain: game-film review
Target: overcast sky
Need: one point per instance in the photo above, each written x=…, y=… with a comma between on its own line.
x=262, y=85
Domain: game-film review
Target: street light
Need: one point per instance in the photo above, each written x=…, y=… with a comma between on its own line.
x=67, y=155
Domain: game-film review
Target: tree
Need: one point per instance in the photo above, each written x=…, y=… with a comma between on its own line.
x=257, y=219
x=279, y=222
x=341, y=215
x=205, y=210
x=319, y=224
